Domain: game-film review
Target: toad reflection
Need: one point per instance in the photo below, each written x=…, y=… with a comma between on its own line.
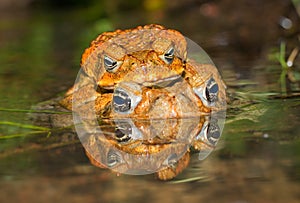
x=152, y=146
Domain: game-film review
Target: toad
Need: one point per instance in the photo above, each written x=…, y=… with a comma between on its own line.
x=145, y=73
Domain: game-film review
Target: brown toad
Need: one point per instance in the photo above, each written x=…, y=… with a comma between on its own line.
x=144, y=72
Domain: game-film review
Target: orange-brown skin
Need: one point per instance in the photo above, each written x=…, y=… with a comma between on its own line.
x=139, y=54
x=135, y=48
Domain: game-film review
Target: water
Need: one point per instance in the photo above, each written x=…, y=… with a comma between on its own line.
x=257, y=158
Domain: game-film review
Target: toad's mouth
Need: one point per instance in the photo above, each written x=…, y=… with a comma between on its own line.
x=164, y=82
x=158, y=83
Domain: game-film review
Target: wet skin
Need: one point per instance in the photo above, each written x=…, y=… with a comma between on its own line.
x=135, y=71
x=144, y=73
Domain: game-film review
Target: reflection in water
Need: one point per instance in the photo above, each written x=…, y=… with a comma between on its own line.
x=147, y=146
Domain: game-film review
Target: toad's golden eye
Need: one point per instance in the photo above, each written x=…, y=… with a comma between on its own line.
x=110, y=64
x=168, y=57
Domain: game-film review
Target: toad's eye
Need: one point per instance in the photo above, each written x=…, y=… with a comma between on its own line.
x=123, y=132
x=168, y=57
x=208, y=93
x=110, y=64
x=121, y=101
x=211, y=91
x=213, y=133
x=113, y=158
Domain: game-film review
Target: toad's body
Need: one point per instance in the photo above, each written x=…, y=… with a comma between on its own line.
x=145, y=73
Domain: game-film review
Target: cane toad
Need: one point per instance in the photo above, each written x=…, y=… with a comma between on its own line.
x=144, y=72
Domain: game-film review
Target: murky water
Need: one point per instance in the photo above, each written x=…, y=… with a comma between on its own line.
x=257, y=158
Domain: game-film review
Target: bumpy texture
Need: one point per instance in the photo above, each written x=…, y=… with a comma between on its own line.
x=144, y=82
x=145, y=73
